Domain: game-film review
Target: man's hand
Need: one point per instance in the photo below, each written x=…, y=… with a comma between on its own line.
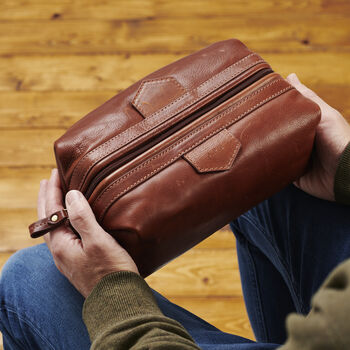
x=332, y=136
x=83, y=261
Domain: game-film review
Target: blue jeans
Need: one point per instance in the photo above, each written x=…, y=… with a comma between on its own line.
x=286, y=247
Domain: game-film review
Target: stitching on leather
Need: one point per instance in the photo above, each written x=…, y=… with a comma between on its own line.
x=206, y=82
x=45, y=221
x=224, y=167
x=41, y=224
x=159, y=111
x=78, y=166
x=189, y=148
x=222, y=114
x=135, y=101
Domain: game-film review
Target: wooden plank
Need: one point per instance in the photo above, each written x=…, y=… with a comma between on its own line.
x=47, y=109
x=199, y=273
x=228, y=314
x=116, y=72
x=14, y=234
x=176, y=35
x=78, y=9
x=120, y=9
x=28, y=147
x=19, y=186
x=62, y=109
x=77, y=73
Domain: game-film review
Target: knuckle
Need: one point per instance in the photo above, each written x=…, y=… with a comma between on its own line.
x=78, y=215
x=57, y=251
x=94, y=248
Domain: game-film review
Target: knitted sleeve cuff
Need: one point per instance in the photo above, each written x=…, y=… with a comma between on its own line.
x=117, y=297
x=342, y=178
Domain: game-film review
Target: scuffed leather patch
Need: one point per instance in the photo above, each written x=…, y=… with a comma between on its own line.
x=215, y=154
x=156, y=94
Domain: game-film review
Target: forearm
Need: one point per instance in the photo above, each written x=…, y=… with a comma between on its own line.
x=121, y=311
x=342, y=178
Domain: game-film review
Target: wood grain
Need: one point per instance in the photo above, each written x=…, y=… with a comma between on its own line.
x=141, y=9
x=58, y=109
x=116, y=72
x=197, y=274
x=158, y=34
x=19, y=186
x=28, y=147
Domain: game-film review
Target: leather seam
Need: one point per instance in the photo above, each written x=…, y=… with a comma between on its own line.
x=214, y=119
x=39, y=224
x=224, y=167
x=78, y=166
x=135, y=101
x=206, y=82
x=189, y=148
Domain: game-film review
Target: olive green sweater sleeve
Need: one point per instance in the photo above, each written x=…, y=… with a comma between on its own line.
x=326, y=327
x=342, y=178
x=121, y=313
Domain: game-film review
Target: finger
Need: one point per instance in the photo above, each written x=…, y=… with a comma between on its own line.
x=82, y=217
x=41, y=205
x=53, y=203
x=53, y=198
x=41, y=200
x=294, y=81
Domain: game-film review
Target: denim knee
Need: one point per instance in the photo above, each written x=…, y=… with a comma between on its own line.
x=19, y=273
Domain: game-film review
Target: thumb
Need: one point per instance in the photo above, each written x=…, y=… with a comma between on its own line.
x=81, y=215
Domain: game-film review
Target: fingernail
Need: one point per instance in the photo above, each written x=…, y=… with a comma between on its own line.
x=73, y=195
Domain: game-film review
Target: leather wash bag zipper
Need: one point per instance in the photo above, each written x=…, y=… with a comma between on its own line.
x=182, y=152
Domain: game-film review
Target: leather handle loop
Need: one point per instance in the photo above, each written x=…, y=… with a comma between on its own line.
x=40, y=227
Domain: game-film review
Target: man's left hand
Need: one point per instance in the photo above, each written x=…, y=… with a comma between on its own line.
x=84, y=261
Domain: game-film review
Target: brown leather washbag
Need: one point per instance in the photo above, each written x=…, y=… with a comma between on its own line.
x=182, y=152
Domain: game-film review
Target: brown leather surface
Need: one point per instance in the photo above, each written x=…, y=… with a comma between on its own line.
x=175, y=157
x=45, y=225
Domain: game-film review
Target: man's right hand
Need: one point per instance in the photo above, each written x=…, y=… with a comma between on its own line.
x=332, y=136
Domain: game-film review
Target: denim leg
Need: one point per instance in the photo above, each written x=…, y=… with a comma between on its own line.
x=40, y=309
x=206, y=336
x=286, y=246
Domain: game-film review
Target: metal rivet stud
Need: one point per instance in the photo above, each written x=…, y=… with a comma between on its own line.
x=54, y=218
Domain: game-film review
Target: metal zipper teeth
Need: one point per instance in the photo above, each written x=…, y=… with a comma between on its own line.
x=150, y=143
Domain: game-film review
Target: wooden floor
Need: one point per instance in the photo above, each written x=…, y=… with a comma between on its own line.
x=61, y=58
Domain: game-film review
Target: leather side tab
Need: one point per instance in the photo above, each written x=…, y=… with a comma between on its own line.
x=40, y=227
x=156, y=94
x=215, y=154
